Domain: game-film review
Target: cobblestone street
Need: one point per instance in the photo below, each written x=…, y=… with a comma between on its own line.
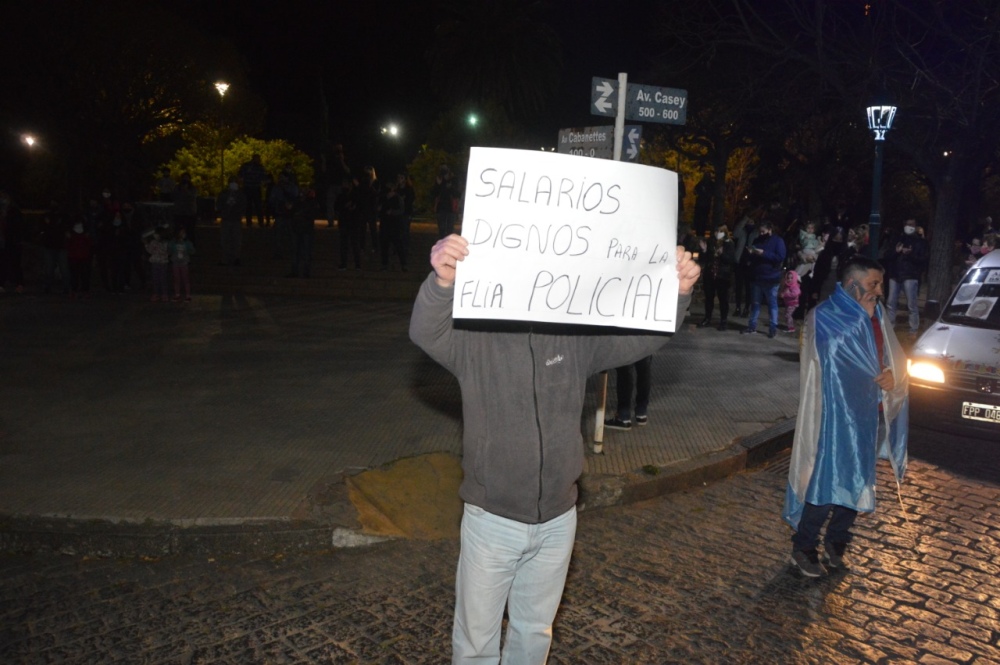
x=693, y=577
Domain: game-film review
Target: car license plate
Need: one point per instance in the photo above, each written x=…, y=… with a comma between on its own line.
x=984, y=412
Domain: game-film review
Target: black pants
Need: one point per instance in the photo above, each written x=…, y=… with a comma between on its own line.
x=717, y=287
x=837, y=531
x=391, y=237
x=255, y=206
x=743, y=283
x=624, y=384
x=351, y=233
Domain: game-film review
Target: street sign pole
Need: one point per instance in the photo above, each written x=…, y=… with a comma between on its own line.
x=620, y=118
x=602, y=388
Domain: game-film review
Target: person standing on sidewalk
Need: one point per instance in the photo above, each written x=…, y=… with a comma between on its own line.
x=231, y=203
x=767, y=258
x=853, y=408
x=522, y=395
x=253, y=174
x=717, y=256
x=905, y=259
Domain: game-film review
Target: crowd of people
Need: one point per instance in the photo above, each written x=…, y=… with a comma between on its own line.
x=797, y=269
x=133, y=247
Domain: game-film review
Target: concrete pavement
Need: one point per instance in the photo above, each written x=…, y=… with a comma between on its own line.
x=257, y=417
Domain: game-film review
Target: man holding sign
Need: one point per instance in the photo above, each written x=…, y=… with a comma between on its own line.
x=523, y=384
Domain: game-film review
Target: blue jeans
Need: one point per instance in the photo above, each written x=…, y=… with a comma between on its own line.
x=505, y=562
x=757, y=293
x=910, y=288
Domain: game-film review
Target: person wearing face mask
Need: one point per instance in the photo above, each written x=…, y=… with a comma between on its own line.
x=853, y=409
x=231, y=203
x=905, y=259
x=717, y=256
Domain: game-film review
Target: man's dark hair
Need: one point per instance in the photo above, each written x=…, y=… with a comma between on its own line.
x=858, y=265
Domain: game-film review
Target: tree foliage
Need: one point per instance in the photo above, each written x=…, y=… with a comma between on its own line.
x=112, y=86
x=939, y=62
x=201, y=161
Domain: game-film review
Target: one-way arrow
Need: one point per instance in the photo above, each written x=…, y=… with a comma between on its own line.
x=633, y=143
x=602, y=104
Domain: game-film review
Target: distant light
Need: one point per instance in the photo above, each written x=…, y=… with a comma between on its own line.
x=390, y=130
x=222, y=87
x=473, y=120
x=29, y=140
x=947, y=153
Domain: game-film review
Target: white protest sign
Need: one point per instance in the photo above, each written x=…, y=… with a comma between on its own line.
x=565, y=239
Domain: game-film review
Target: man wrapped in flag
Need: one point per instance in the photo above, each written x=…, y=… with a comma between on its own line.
x=853, y=409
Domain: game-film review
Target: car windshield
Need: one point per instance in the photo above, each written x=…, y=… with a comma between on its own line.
x=974, y=302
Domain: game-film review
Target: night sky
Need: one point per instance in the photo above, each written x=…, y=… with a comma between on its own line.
x=371, y=58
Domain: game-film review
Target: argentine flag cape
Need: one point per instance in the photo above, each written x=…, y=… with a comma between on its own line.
x=835, y=445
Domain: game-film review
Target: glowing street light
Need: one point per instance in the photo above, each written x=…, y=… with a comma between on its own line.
x=473, y=120
x=221, y=87
x=29, y=140
x=390, y=130
x=880, y=118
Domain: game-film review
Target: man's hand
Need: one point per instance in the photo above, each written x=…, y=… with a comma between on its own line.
x=885, y=380
x=445, y=255
x=687, y=271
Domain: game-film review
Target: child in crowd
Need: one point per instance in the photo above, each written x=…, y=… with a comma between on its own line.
x=790, y=291
x=159, y=259
x=181, y=250
x=809, y=244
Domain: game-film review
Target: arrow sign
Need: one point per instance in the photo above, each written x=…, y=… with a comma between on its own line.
x=634, y=134
x=603, y=96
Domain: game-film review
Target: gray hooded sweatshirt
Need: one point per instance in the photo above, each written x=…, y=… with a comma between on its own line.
x=522, y=399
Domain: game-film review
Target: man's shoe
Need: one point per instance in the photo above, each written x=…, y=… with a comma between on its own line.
x=618, y=423
x=705, y=323
x=641, y=420
x=808, y=563
x=748, y=331
x=833, y=555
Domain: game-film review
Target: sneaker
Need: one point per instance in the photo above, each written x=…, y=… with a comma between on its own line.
x=705, y=323
x=641, y=420
x=772, y=333
x=807, y=563
x=748, y=331
x=790, y=330
x=833, y=555
x=618, y=423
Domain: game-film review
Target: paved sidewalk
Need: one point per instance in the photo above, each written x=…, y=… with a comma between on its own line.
x=231, y=422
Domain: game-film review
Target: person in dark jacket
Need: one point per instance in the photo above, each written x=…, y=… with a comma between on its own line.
x=905, y=259
x=522, y=394
x=767, y=261
x=12, y=234
x=349, y=228
x=717, y=257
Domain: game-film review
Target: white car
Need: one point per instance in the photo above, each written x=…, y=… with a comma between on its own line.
x=955, y=365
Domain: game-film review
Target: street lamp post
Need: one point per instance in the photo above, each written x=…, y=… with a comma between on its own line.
x=879, y=122
x=222, y=87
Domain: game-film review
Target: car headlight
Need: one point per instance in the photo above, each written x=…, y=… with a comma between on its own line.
x=925, y=371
